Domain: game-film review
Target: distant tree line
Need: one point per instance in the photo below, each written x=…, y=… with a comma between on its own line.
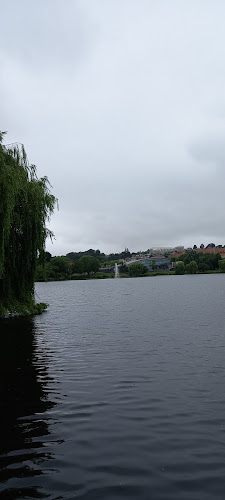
x=61, y=268
x=137, y=269
x=193, y=262
x=103, y=258
x=92, y=253
x=76, y=264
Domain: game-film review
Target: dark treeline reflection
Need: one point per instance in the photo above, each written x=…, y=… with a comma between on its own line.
x=24, y=401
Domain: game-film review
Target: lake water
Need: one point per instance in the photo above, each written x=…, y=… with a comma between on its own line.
x=116, y=392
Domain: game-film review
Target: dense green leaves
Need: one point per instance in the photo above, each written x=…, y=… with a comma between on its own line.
x=179, y=268
x=25, y=205
x=92, y=253
x=61, y=268
x=137, y=269
x=204, y=261
x=99, y=255
x=86, y=264
x=222, y=265
x=191, y=268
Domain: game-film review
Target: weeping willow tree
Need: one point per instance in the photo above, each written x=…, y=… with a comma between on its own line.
x=26, y=205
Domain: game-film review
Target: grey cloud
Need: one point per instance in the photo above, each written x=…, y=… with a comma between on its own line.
x=122, y=105
x=43, y=34
x=210, y=150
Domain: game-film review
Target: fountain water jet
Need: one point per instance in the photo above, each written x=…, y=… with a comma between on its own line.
x=117, y=271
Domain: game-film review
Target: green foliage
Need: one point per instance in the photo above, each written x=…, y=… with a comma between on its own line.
x=25, y=205
x=86, y=264
x=100, y=276
x=59, y=268
x=222, y=265
x=179, y=268
x=123, y=269
x=92, y=253
x=160, y=273
x=137, y=269
x=113, y=257
x=47, y=256
x=191, y=268
x=89, y=264
x=204, y=261
x=27, y=308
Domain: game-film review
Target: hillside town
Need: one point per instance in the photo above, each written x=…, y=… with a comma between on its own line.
x=95, y=264
x=165, y=258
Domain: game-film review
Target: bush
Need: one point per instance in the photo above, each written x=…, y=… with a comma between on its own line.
x=86, y=264
x=102, y=276
x=137, y=269
x=179, y=268
x=222, y=266
x=191, y=268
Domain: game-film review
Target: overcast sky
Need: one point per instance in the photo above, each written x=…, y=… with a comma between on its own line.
x=121, y=103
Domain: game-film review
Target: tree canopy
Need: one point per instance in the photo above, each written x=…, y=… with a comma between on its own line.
x=222, y=266
x=179, y=268
x=137, y=269
x=204, y=261
x=86, y=264
x=26, y=204
x=192, y=267
x=93, y=253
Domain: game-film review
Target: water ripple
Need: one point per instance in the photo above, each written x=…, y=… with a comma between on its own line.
x=116, y=392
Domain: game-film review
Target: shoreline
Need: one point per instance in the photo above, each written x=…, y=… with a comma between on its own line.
x=126, y=276
x=16, y=309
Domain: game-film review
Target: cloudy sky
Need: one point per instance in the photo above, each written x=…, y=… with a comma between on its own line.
x=121, y=103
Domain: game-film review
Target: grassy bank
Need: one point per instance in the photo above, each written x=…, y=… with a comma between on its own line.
x=94, y=276
x=28, y=308
x=102, y=276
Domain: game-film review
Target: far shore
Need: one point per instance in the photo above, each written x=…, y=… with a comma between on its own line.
x=98, y=276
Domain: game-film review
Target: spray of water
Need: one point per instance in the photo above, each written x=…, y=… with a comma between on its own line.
x=117, y=271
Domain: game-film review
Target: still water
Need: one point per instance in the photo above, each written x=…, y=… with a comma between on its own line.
x=116, y=392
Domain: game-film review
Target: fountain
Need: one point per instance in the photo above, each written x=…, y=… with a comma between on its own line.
x=117, y=271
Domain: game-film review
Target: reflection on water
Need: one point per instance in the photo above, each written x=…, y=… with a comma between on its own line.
x=116, y=392
x=25, y=405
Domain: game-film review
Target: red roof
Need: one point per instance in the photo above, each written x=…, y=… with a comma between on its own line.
x=177, y=254
x=210, y=250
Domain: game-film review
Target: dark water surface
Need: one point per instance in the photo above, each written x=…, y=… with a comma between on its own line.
x=117, y=392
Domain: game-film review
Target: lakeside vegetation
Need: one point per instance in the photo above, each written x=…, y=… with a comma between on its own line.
x=86, y=265
x=26, y=203
x=192, y=263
